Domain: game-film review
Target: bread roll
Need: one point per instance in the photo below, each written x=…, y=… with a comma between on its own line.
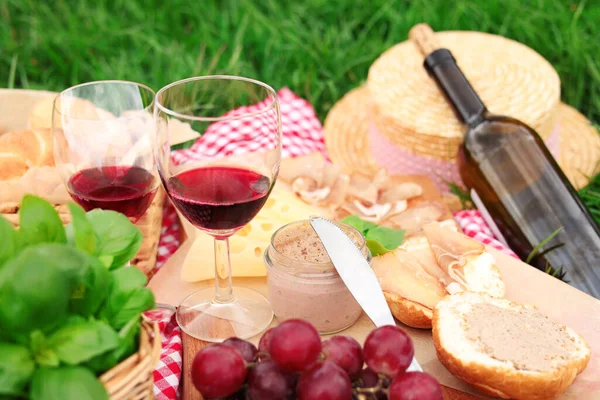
x=429, y=267
x=22, y=150
x=505, y=349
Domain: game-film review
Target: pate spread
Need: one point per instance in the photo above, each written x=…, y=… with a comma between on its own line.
x=301, y=243
x=527, y=338
x=304, y=284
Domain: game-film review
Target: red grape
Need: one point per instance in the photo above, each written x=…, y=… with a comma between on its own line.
x=368, y=377
x=295, y=345
x=345, y=352
x=265, y=341
x=266, y=381
x=388, y=350
x=324, y=381
x=247, y=349
x=415, y=386
x=218, y=370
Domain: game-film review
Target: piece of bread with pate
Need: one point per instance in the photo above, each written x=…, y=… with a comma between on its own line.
x=505, y=349
x=427, y=268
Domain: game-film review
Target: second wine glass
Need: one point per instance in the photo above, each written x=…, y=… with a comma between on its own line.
x=221, y=186
x=104, y=134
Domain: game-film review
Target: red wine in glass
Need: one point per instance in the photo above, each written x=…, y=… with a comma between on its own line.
x=218, y=197
x=125, y=189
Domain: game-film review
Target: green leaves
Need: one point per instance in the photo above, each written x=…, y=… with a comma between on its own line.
x=80, y=341
x=127, y=346
x=16, y=369
x=61, y=306
x=42, y=354
x=90, y=295
x=35, y=288
x=39, y=222
x=9, y=242
x=360, y=224
x=80, y=232
x=380, y=239
x=127, y=297
x=117, y=237
x=66, y=383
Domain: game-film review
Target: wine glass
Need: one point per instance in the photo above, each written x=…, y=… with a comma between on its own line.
x=104, y=133
x=222, y=188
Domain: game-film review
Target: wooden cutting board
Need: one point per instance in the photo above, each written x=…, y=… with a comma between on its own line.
x=169, y=288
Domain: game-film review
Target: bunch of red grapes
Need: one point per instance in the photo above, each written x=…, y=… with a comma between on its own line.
x=291, y=362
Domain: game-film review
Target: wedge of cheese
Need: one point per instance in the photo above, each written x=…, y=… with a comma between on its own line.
x=248, y=245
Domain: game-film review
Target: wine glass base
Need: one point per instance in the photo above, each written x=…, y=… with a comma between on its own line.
x=201, y=317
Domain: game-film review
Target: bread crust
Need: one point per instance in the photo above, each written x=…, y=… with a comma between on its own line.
x=22, y=150
x=506, y=382
x=409, y=312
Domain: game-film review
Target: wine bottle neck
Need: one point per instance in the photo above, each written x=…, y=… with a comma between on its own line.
x=467, y=104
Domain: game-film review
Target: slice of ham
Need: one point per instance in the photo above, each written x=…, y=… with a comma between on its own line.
x=401, y=273
x=413, y=219
x=452, y=251
x=403, y=191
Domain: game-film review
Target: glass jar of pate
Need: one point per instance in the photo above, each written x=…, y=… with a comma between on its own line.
x=302, y=281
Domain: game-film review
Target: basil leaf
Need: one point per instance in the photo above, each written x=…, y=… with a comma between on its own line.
x=117, y=236
x=80, y=232
x=361, y=225
x=42, y=354
x=128, y=344
x=66, y=383
x=9, y=243
x=127, y=297
x=16, y=369
x=78, y=342
x=35, y=288
x=88, y=297
x=376, y=248
x=388, y=238
x=39, y=222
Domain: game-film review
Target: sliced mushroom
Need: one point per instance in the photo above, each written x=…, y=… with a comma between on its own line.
x=377, y=211
x=331, y=173
x=413, y=219
x=363, y=188
x=338, y=192
x=307, y=190
x=310, y=166
x=352, y=209
x=403, y=191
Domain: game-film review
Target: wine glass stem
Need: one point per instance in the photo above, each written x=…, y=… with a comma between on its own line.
x=224, y=292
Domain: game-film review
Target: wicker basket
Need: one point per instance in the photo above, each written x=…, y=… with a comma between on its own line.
x=132, y=379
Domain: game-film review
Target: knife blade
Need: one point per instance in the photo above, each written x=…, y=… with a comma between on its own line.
x=356, y=273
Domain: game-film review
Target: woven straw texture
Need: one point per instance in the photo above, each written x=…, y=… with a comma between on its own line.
x=579, y=146
x=149, y=224
x=347, y=139
x=132, y=379
x=408, y=108
x=345, y=131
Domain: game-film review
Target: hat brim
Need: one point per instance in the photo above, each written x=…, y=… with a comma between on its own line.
x=347, y=139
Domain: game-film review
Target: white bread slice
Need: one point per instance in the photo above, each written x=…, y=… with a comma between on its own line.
x=468, y=360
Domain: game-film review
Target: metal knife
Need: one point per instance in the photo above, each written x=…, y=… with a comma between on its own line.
x=356, y=273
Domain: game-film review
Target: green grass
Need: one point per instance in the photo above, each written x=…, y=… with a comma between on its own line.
x=319, y=48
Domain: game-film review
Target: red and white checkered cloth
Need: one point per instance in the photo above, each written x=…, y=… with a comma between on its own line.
x=302, y=134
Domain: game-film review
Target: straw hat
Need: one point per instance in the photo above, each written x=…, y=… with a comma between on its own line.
x=402, y=110
x=347, y=138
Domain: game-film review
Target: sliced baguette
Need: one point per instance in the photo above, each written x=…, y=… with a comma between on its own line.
x=466, y=359
x=409, y=312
